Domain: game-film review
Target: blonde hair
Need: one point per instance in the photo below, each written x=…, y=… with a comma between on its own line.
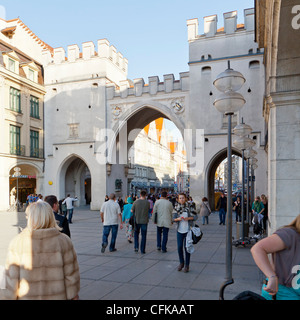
x=295, y=224
x=40, y=216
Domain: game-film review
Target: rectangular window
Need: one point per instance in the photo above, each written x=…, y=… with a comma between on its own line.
x=34, y=144
x=34, y=107
x=15, y=138
x=11, y=65
x=15, y=99
x=31, y=75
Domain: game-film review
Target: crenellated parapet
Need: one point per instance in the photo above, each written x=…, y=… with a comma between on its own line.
x=230, y=40
x=103, y=51
x=102, y=60
x=138, y=88
x=230, y=24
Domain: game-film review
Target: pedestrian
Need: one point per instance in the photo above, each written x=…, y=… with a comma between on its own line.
x=258, y=208
x=264, y=201
x=222, y=207
x=205, y=210
x=41, y=262
x=69, y=203
x=110, y=212
x=63, y=208
x=126, y=215
x=140, y=209
x=121, y=203
x=282, y=271
x=151, y=206
x=185, y=217
x=238, y=209
x=61, y=221
x=163, y=211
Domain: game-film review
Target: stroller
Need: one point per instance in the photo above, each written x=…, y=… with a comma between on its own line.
x=257, y=226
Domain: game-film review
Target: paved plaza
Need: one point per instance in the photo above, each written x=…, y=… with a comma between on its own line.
x=126, y=275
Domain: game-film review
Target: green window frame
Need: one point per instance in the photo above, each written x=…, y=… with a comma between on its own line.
x=15, y=139
x=15, y=99
x=34, y=144
x=34, y=107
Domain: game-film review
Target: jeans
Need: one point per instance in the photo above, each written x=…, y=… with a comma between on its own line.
x=222, y=215
x=114, y=232
x=165, y=232
x=181, y=247
x=205, y=218
x=70, y=211
x=143, y=228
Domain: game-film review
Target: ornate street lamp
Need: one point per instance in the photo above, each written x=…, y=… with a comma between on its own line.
x=253, y=166
x=249, y=153
x=243, y=143
x=229, y=102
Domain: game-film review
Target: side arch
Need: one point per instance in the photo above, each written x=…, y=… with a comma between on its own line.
x=210, y=172
x=79, y=165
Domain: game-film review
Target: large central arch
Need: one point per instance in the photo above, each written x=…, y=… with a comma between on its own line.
x=126, y=129
x=137, y=117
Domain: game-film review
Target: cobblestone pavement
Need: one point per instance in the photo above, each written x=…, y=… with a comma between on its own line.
x=126, y=275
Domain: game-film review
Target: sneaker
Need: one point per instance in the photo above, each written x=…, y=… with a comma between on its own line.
x=158, y=248
x=103, y=248
x=136, y=250
x=113, y=250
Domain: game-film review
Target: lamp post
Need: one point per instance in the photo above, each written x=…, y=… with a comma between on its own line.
x=242, y=130
x=253, y=166
x=17, y=174
x=229, y=102
x=249, y=153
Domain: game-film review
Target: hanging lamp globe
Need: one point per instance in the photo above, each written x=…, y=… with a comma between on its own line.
x=250, y=153
x=242, y=130
x=229, y=80
x=243, y=143
x=229, y=102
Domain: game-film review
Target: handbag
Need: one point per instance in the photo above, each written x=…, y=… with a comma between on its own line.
x=131, y=220
x=196, y=234
x=155, y=217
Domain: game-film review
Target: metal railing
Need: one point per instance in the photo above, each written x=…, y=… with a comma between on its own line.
x=18, y=150
x=36, y=153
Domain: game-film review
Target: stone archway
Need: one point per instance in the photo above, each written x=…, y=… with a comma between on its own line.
x=137, y=117
x=211, y=170
x=75, y=179
x=125, y=130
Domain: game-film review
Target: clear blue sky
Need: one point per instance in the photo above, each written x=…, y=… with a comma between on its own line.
x=152, y=35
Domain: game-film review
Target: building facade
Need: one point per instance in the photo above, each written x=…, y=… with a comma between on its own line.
x=93, y=112
x=21, y=114
x=278, y=32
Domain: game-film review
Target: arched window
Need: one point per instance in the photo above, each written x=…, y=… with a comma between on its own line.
x=254, y=64
x=206, y=69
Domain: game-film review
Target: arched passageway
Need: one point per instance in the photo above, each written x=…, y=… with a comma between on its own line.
x=211, y=170
x=75, y=179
